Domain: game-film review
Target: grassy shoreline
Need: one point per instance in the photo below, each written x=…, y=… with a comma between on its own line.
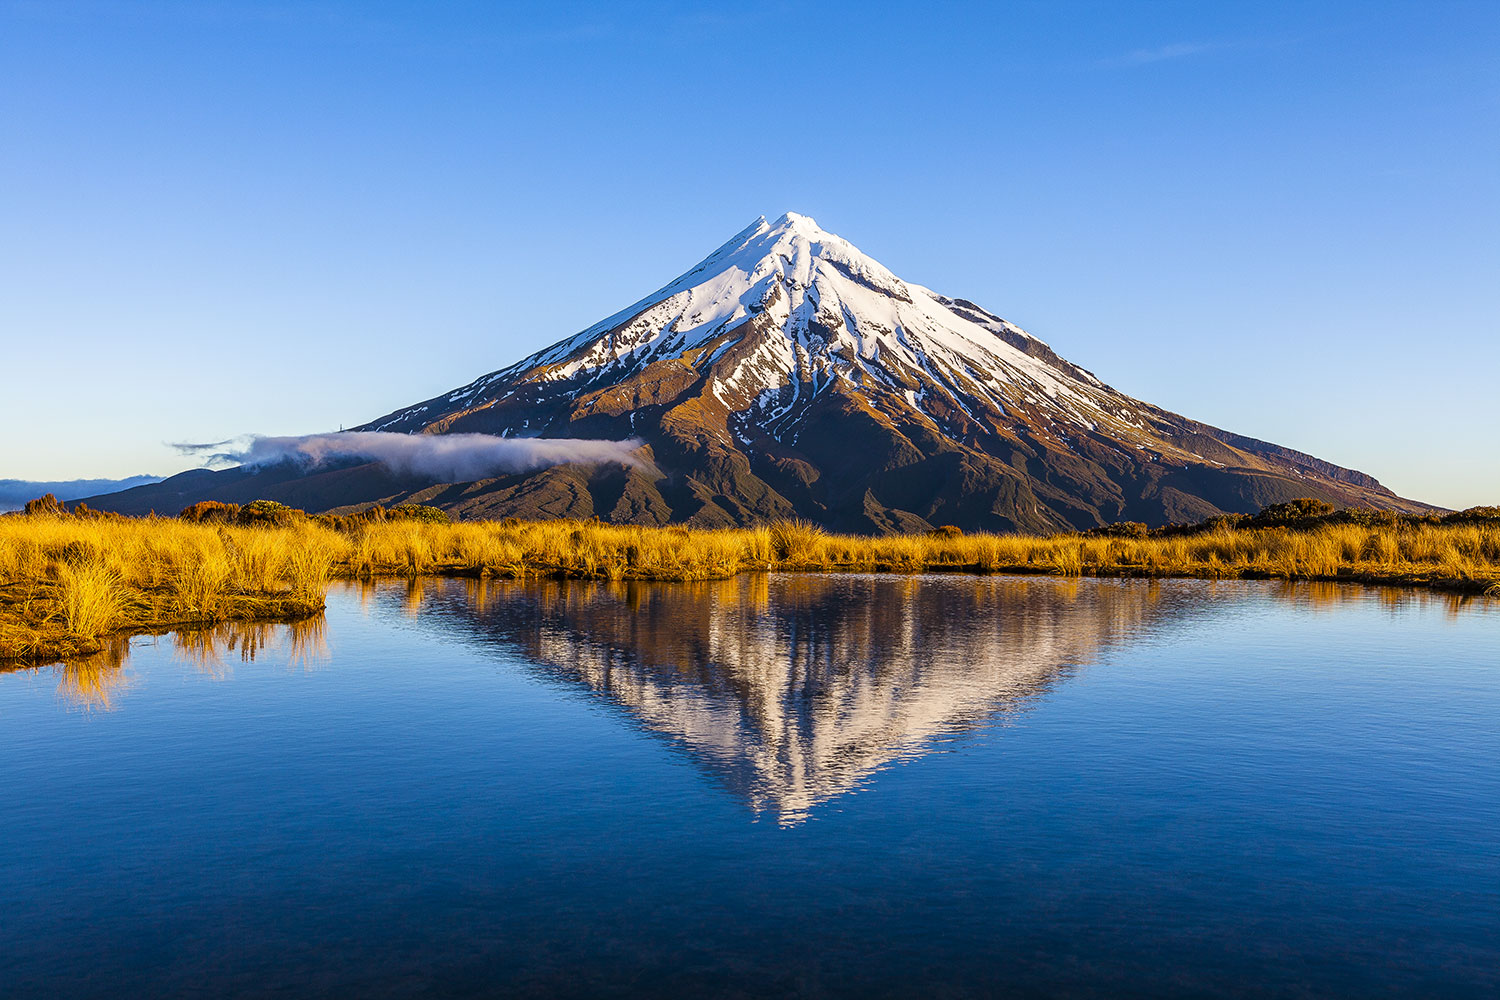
x=69, y=581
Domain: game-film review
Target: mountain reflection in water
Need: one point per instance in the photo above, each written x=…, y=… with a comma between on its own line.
x=790, y=689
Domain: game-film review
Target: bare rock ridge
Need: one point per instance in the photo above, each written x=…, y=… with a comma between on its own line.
x=791, y=375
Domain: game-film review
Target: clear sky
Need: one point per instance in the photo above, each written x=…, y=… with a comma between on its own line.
x=220, y=218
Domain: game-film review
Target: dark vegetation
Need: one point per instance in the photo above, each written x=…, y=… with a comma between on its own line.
x=1303, y=514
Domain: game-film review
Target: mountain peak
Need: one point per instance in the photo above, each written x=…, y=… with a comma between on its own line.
x=788, y=234
x=797, y=222
x=788, y=304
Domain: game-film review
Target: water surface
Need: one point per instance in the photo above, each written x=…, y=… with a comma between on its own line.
x=806, y=785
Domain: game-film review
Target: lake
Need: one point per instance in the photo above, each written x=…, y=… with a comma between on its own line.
x=822, y=786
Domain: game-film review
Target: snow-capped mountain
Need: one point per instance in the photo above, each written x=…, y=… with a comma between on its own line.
x=795, y=311
x=791, y=374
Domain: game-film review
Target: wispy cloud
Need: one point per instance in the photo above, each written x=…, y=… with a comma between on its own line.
x=1162, y=53
x=1190, y=50
x=191, y=448
x=449, y=458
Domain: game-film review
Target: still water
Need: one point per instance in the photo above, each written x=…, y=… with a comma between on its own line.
x=786, y=785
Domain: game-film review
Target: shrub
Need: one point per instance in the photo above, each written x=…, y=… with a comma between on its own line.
x=1302, y=512
x=211, y=511
x=371, y=515
x=1474, y=515
x=45, y=505
x=267, y=514
x=419, y=512
x=83, y=510
x=1120, y=529
x=1365, y=517
x=945, y=531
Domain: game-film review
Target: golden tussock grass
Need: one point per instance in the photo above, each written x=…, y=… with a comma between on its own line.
x=67, y=582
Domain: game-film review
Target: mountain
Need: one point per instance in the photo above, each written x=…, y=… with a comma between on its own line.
x=791, y=375
x=14, y=493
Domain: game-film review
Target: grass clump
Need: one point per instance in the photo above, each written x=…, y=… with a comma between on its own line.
x=89, y=596
x=69, y=582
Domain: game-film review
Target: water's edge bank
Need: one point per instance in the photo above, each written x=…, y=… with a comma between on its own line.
x=69, y=580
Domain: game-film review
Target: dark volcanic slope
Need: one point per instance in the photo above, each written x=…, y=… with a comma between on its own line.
x=789, y=374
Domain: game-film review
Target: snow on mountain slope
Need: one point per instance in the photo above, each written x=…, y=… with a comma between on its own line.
x=841, y=315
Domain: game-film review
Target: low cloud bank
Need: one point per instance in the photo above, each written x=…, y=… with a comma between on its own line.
x=445, y=458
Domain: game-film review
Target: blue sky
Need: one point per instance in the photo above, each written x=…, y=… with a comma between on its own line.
x=220, y=218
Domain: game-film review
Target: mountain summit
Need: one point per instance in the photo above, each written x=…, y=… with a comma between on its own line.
x=791, y=375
